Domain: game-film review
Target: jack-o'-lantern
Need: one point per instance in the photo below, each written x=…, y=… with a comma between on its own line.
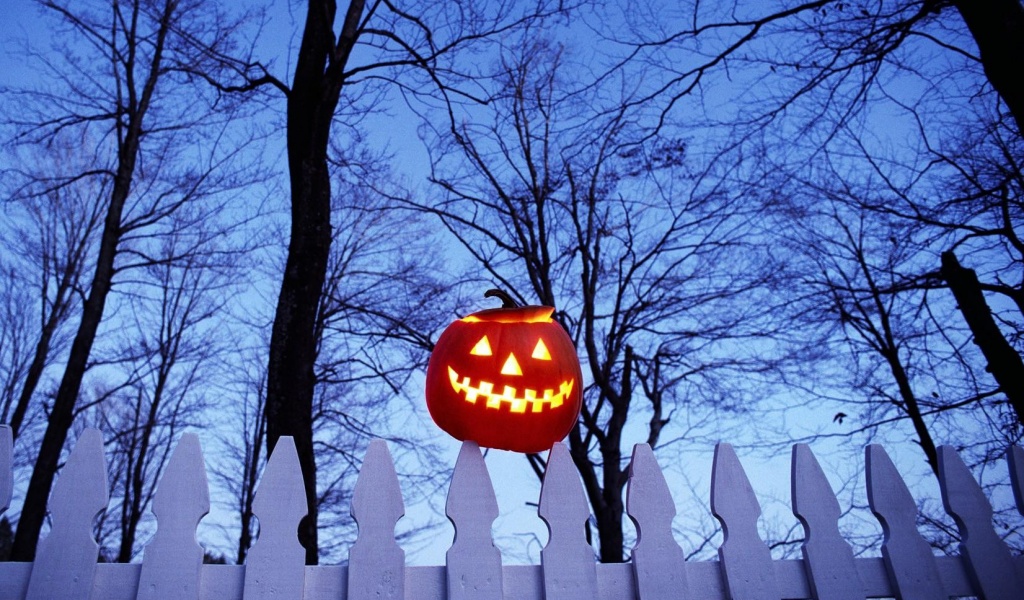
x=505, y=378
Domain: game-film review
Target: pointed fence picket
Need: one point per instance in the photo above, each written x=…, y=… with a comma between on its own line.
x=746, y=560
x=66, y=558
x=907, y=555
x=275, y=565
x=828, y=558
x=66, y=566
x=473, y=562
x=658, y=561
x=376, y=563
x=174, y=559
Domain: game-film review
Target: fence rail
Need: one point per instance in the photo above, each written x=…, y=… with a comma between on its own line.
x=66, y=563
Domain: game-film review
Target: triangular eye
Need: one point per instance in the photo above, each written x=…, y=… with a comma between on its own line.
x=541, y=351
x=511, y=366
x=482, y=348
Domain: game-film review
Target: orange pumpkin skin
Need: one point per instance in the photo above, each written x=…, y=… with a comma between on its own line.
x=475, y=393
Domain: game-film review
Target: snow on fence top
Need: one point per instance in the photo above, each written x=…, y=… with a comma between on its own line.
x=66, y=563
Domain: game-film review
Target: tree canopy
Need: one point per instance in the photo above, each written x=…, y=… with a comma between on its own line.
x=764, y=222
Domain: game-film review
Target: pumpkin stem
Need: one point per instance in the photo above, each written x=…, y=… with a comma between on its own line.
x=507, y=301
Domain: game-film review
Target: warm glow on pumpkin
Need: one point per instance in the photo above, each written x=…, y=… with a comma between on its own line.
x=511, y=366
x=505, y=378
x=526, y=314
x=540, y=352
x=482, y=348
x=518, y=404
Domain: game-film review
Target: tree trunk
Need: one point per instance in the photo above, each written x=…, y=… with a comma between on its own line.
x=135, y=490
x=68, y=279
x=605, y=494
x=998, y=29
x=606, y=501
x=62, y=414
x=291, y=380
x=912, y=408
x=290, y=375
x=1004, y=363
x=609, y=519
x=35, y=372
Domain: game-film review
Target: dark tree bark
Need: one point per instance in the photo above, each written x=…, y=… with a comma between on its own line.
x=910, y=403
x=129, y=84
x=1004, y=363
x=606, y=482
x=998, y=28
x=399, y=38
x=40, y=358
x=62, y=413
x=319, y=75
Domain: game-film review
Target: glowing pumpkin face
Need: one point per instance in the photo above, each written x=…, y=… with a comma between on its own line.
x=505, y=378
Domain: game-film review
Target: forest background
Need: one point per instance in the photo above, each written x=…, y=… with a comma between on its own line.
x=760, y=222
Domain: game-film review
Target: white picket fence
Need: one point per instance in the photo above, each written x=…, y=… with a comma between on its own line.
x=66, y=564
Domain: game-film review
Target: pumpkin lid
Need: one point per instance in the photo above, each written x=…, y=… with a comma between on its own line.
x=517, y=314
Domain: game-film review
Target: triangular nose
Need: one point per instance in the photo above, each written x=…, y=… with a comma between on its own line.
x=511, y=366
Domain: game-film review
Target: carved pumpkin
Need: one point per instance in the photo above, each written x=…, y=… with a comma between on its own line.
x=505, y=378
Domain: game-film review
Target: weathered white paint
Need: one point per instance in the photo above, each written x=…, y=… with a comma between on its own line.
x=658, y=561
x=568, y=570
x=474, y=563
x=746, y=560
x=907, y=555
x=568, y=559
x=985, y=554
x=275, y=565
x=376, y=563
x=831, y=571
x=66, y=559
x=173, y=561
x=521, y=582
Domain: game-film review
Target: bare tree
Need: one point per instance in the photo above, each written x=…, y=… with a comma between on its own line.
x=15, y=337
x=338, y=76
x=900, y=113
x=385, y=297
x=130, y=85
x=834, y=52
x=558, y=197
x=171, y=368
x=238, y=466
x=889, y=357
x=859, y=286
x=51, y=234
x=1004, y=361
x=998, y=30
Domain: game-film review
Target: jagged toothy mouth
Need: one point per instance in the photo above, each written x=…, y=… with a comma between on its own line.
x=516, y=404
